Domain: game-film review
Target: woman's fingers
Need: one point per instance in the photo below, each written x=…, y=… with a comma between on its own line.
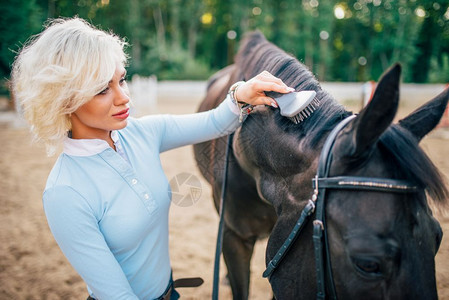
x=267, y=76
x=267, y=101
x=252, y=91
x=270, y=86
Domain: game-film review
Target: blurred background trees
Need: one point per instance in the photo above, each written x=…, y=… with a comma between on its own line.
x=352, y=40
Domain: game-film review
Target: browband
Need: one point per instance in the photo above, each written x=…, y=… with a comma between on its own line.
x=365, y=183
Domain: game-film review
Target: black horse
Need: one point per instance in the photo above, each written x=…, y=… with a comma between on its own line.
x=381, y=244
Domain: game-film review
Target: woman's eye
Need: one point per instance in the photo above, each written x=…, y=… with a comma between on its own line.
x=122, y=80
x=103, y=92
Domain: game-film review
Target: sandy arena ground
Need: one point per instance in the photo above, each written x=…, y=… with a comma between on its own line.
x=33, y=267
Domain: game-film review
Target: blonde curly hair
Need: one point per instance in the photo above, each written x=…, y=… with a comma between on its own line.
x=59, y=70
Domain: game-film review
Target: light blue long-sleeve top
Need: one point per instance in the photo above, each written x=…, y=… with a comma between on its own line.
x=108, y=210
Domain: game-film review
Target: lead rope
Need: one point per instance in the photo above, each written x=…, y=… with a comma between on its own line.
x=219, y=247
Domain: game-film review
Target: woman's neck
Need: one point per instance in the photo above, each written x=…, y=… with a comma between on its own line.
x=106, y=136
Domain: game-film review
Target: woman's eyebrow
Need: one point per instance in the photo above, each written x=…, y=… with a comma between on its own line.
x=121, y=76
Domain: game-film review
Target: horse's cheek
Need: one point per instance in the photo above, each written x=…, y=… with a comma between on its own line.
x=243, y=153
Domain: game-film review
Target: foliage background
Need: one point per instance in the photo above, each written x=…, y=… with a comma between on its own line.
x=352, y=40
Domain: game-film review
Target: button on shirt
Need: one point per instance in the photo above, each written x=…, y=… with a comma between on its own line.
x=108, y=210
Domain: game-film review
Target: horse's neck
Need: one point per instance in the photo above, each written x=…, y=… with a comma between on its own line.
x=274, y=157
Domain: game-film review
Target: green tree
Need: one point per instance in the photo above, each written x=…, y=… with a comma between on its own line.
x=433, y=42
x=353, y=40
x=19, y=20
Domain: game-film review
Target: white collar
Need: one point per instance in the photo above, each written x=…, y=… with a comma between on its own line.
x=87, y=147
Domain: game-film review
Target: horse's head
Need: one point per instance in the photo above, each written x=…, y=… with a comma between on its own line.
x=383, y=244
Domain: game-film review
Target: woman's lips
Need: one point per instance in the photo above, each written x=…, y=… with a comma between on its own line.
x=122, y=114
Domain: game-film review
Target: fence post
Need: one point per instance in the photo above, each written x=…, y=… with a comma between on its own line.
x=367, y=92
x=143, y=92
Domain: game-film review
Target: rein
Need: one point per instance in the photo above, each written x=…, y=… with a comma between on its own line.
x=321, y=182
x=219, y=245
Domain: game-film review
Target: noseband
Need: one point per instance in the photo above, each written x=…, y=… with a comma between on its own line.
x=321, y=182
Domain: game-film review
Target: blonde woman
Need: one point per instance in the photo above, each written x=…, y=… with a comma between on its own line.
x=106, y=197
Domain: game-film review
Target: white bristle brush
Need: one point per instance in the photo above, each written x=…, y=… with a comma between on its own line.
x=298, y=106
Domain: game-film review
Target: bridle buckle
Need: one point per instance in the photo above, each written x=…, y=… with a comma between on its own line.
x=319, y=223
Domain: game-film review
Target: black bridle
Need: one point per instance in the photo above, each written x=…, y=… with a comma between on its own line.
x=321, y=182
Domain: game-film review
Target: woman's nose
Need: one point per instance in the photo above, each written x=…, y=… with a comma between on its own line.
x=121, y=96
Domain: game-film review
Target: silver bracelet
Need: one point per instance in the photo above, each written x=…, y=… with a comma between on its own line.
x=244, y=108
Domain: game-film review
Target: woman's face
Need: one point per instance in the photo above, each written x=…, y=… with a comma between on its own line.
x=109, y=110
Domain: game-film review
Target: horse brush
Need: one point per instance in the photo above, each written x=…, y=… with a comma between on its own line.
x=297, y=106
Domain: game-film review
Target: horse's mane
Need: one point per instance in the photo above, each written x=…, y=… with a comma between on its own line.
x=256, y=54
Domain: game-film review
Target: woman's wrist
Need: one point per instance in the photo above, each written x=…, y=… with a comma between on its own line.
x=233, y=91
x=244, y=108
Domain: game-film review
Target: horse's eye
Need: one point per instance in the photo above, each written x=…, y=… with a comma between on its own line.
x=367, y=267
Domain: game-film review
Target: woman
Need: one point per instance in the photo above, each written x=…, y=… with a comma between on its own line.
x=106, y=198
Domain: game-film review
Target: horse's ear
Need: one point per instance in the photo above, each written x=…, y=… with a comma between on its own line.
x=375, y=118
x=424, y=119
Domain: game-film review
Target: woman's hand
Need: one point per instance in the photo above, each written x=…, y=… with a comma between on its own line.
x=252, y=91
